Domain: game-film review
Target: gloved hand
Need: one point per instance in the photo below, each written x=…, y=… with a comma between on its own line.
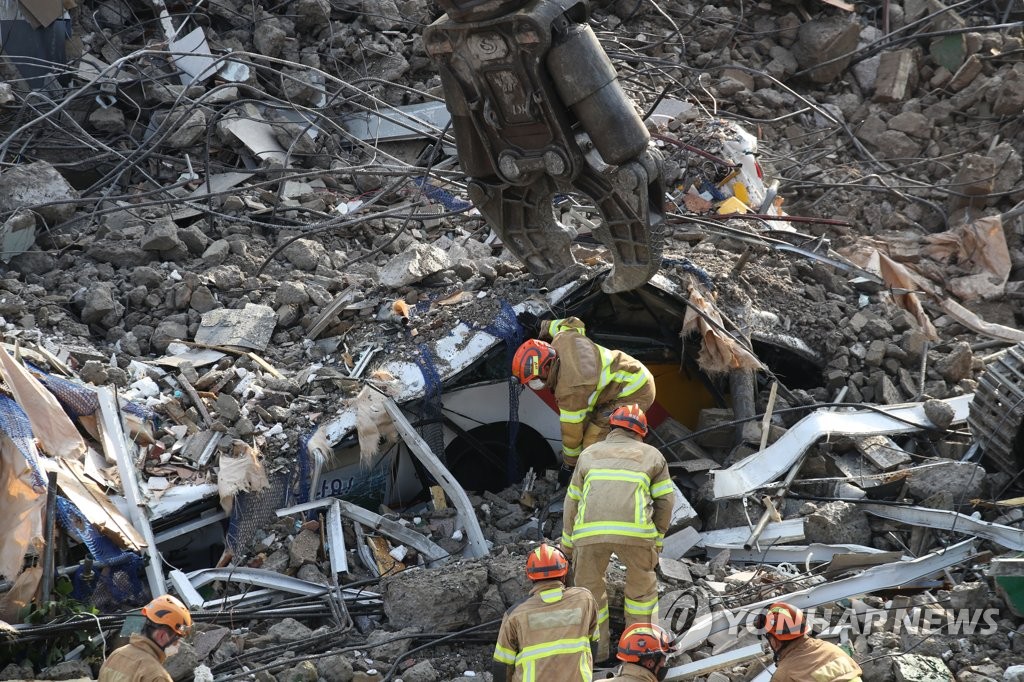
x=530, y=324
x=564, y=476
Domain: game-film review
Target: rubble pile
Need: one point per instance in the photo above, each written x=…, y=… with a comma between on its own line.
x=228, y=228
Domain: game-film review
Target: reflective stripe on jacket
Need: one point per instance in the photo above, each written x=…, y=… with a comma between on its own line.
x=815, y=660
x=585, y=376
x=620, y=492
x=140, y=660
x=631, y=672
x=548, y=636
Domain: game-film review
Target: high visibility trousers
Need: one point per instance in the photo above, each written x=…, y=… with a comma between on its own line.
x=589, y=564
x=598, y=427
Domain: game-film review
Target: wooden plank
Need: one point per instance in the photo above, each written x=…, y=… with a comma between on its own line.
x=386, y=564
x=476, y=545
x=437, y=497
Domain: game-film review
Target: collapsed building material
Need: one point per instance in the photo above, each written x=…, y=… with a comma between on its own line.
x=870, y=580
x=954, y=522
x=430, y=551
x=799, y=555
x=780, y=532
x=476, y=545
x=115, y=443
x=997, y=412
x=1008, y=575
x=763, y=467
x=188, y=585
x=336, y=540
x=706, y=666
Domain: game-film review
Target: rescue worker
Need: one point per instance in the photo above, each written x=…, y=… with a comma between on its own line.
x=550, y=635
x=798, y=657
x=620, y=500
x=644, y=649
x=142, y=658
x=588, y=381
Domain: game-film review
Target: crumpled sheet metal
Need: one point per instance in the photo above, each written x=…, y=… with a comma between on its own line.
x=870, y=580
x=761, y=468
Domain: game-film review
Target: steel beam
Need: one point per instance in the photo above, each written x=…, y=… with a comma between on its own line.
x=422, y=544
x=276, y=581
x=114, y=442
x=763, y=467
x=942, y=519
x=476, y=545
x=882, y=577
x=798, y=555
x=336, y=540
x=708, y=665
x=189, y=527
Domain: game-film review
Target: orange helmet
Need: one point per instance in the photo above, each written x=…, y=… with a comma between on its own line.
x=782, y=620
x=531, y=360
x=630, y=417
x=642, y=643
x=169, y=611
x=546, y=562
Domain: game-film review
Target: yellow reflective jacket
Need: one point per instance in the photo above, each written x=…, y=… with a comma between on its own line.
x=620, y=492
x=548, y=636
x=815, y=660
x=140, y=660
x=585, y=376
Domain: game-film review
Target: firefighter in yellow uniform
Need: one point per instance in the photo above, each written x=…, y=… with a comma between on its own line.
x=644, y=649
x=620, y=500
x=142, y=658
x=550, y=635
x=799, y=658
x=589, y=382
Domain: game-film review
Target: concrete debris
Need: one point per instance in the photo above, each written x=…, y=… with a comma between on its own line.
x=229, y=247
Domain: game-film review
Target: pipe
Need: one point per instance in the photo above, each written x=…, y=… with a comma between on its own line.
x=51, y=513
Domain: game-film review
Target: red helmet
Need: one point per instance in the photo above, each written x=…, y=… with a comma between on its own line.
x=630, y=417
x=782, y=620
x=169, y=611
x=531, y=360
x=642, y=643
x=546, y=562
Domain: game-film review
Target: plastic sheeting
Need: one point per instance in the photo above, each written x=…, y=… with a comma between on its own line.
x=240, y=472
x=50, y=424
x=22, y=503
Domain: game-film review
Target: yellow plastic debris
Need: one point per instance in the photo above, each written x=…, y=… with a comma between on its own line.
x=732, y=205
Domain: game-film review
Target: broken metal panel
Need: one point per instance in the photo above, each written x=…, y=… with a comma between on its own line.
x=114, y=442
x=336, y=540
x=870, y=580
x=997, y=412
x=95, y=505
x=430, y=551
x=706, y=666
x=799, y=555
x=763, y=467
x=780, y=532
x=476, y=545
x=410, y=122
x=942, y=519
x=276, y=581
x=1008, y=575
x=678, y=544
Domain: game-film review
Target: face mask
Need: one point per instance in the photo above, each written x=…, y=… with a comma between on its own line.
x=172, y=649
x=535, y=384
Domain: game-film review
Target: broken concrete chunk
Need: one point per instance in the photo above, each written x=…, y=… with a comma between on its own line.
x=436, y=600
x=823, y=40
x=965, y=480
x=939, y=413
x=250, y=327
x=306, y=254
x=419, y=261
x=161, y=236
x=335, y=668
x=837, y=523
x=914, y=668
x=897, y=76
x=389, y=651
x=958, y=363
x=289, y=630
x=37, y=186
